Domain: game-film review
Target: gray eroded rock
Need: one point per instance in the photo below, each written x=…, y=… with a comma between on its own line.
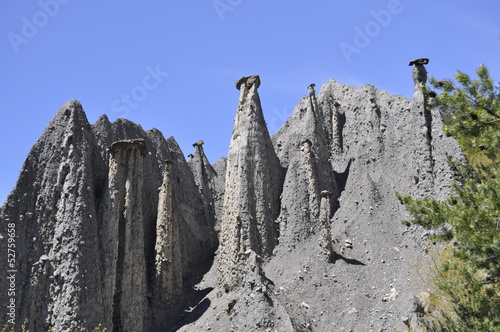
x=218, y=185
x=302, y=145
x=326, y=227
x=123, y=226
x=168, y=262
x=252, y=188
x=361, y=145
x=113, y=226
x=94, y=246
x=204, y=175
x=376, y=144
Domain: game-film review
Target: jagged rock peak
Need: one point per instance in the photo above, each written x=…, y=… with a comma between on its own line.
x=96, y=236
x=70, y=116
x=103, y=118
x=254, y=179
x=73, y=105
x=202, y=169
x=204, y=177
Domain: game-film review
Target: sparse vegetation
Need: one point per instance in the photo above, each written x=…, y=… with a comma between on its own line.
x=99, y=328
x=467, y=273
x=8, y=327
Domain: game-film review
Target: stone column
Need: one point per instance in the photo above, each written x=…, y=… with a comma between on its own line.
x=312, y=185
x=254, y=180
x=123, y=237
x=420, y=106
x=419, y=73
x=168, y=269
x=203, y=177
x=326, y=235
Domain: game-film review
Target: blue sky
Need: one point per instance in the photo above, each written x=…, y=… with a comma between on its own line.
x=172, y=65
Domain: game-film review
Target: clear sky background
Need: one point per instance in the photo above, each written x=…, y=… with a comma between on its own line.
x=172, y=65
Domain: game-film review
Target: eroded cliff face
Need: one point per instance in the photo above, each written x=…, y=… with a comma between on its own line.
x=96, y=241
x=123, y=225
x=343, y=259
x=304, y=231
x=375, y=145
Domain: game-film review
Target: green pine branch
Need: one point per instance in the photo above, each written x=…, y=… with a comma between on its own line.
x=470, y=217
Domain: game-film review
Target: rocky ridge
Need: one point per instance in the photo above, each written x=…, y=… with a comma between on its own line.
x=92, y=228
x=300, y=231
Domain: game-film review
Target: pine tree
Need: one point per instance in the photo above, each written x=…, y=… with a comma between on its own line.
x=470, y=218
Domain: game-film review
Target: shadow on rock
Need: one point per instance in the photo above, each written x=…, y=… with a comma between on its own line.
x=341, y=178
x=192, y=314
x=349, y=261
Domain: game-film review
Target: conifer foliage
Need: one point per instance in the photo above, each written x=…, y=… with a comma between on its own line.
x=469, y=220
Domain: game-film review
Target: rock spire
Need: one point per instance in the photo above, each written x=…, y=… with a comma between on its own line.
x=253, y=185
x=168, y=259
x=204, y=176
x=123, y=236
x=419, y=74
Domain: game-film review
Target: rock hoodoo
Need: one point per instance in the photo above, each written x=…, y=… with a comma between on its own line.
x=123, y=228
x=252, y=188
x=419, y=74
x=424, y=123
x=326, y=227
x=311, y=90
x=300, y=231
x=245, y=83
x=204, y=177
